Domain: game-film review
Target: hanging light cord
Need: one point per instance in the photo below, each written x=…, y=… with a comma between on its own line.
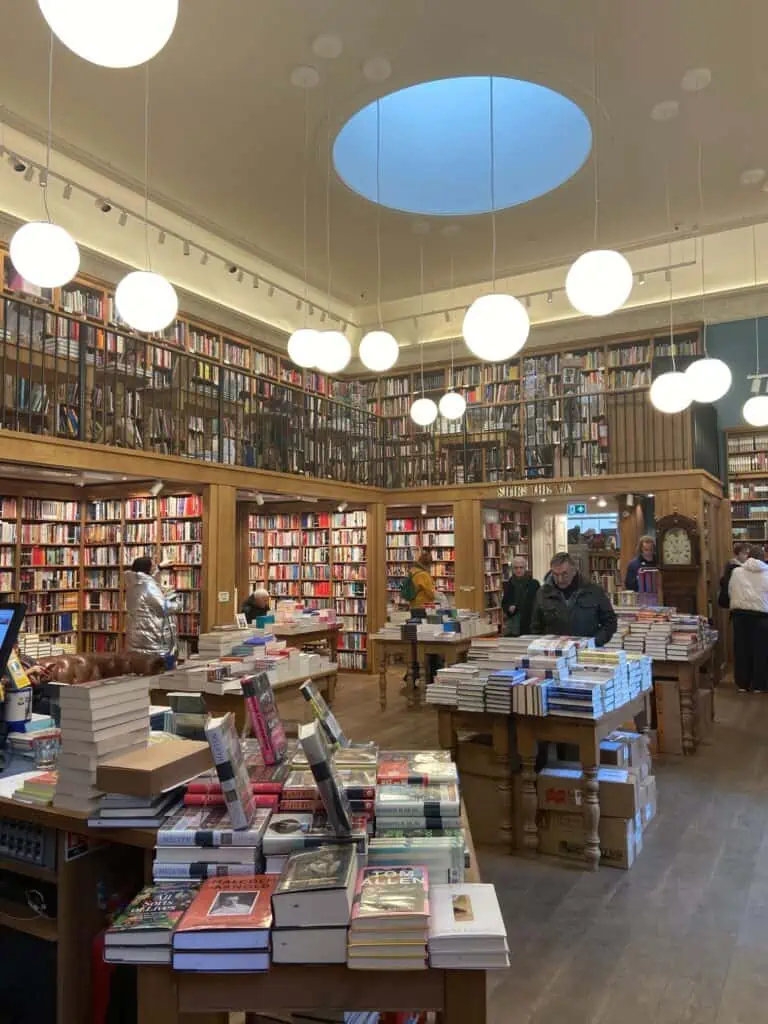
x=596, y=150
x=305, y=207
x=378, y=212
x=757, y=318
x=147, y=256
x=49, y=141
x=701, y=237
x=450, y=282
x=492, y=157
x=421, y=288
x=669, y=263
x=328, y=207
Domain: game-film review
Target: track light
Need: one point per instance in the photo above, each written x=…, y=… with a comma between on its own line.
x=342, y=507
x=255, y=281
x=239, y=277
x=204, y=259
x=232, y=269
x=298, y=305
x=103, y=205
x=668, y=276
x=122, y=220
x=549, y=298
x=67, y=193
x=311, y=310
x=29, y=173
x=271, y=291
x=323, y=317
x=447, y=316
x=641, y=278
x=527, y=301
x=156, y=487
x=187, y=249
x=259, y=498
x=161, y=238
x=43, y=178
x=423, y=510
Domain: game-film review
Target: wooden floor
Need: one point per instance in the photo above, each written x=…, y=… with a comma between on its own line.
x=682, y=937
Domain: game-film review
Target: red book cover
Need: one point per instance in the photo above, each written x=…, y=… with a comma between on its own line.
x=263, y=778
x=265, y=721
x=416, y=767
x=239, y=903
x=264, y=800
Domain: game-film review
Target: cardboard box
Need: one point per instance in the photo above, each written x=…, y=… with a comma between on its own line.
x=653, y=742
x=153, y=769
x=561, y=834
x=562, y=789
x=648, y=800
x=638, y=753
x=706, y=710
x=614, y=753
x=668, y=717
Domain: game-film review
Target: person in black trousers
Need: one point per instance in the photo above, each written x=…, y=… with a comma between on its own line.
x=748, y=595
x=518, y=598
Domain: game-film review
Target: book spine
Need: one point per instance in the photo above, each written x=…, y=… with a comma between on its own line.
x=427, y=809
x=260, y=730
x=265, y=800
x=338, y=817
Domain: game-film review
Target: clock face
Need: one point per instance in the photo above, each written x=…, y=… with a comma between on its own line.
x=677, y=548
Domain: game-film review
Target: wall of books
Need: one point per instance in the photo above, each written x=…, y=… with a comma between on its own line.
x=506, y=534
x=408, y=531
x=747, y=453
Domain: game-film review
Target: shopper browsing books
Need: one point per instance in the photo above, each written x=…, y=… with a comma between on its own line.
x=518, y=599
x=151, y=627
x=255, y=605
x=571, y=606
x=748, y=595
x=644, y=559
x=419, y=587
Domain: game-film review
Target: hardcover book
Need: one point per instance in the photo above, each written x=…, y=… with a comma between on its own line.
x=228, y=913
x=391, y=897
x=163, y=871
x=439, y=800
x=210, y=826
x=333, y=731
x=316, y=887
x=358, y=783
x=151, y=917
x=263, y=716
x=331, y=792
x=230, y=767
x=269, y=801
x=265, y=779
x=417, y=767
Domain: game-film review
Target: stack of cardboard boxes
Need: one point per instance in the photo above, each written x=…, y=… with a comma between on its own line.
x=627, y=795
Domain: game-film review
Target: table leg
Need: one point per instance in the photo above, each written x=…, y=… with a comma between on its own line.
x=383, y=658
x=446, y=734
x=529, y=800
x=466, y=997
x=330, y=692
x=687, y=686
x=505, y=785
x=157, y=1000
x=591, y=818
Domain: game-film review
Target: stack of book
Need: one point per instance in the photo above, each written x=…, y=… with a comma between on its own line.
x=227, y=926
x=682, y=645
x=266, y=782
x=470, y=695
x=390, y=920
x=590, y=698
x=441, y=855
x=199, y=843
x=311, y=905
x=498, y=689
x=657, y=638
x=532, y=696
x=99, y=718
x=189, y=714
x=416, y=767
x=300, y=792
x=142, y=933
x=435, y=806
x=37, y=789
x=466, y=929
x=287, y=832
x=119, y=810
x=445, y=688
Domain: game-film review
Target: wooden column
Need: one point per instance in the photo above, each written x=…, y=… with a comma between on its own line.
x=219, y=571
x=469, y=553
x=633, y=523
x=377, y=568
x=242, y=550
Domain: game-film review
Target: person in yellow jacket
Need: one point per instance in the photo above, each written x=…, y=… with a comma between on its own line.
x=422, y=582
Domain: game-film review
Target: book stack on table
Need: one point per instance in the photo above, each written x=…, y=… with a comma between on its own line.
x=142, y=933
x=390, y=920
x=470, y=694
x=266, y=782
x=445, y=688
x=499, y=688
x=294, y=830
x=417, y=790
x=200, y=843
x=121, y=810
x=466, y=929
x=98, y=719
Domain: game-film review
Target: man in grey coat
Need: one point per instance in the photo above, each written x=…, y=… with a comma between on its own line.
x=571, y=606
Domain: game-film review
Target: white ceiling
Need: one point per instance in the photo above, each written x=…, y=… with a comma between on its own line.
x=227, y=148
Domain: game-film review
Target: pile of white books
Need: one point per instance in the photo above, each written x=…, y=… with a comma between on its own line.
x=498, y=689
x=98, y=719
x=445, y=688
x=470, y=695
x=466, y=929
x=584, y=699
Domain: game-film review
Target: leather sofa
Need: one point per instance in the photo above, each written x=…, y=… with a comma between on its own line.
x=83, y=668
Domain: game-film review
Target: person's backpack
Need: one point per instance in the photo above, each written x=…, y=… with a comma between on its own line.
x=408, y=589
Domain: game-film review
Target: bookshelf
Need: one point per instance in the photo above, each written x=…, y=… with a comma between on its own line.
x=316, y=560
x=257, y=555
x=605, y=569
x=506, y=534
x=284, y=562
x=181, y=547
x=747, y=454
x=9, y=539
x=103, y=604
x=403, y=540
x=407, y=532
x=349, y=539
x=49, y=567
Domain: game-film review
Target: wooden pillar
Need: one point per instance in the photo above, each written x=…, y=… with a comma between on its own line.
x=219, y=539
x=634, y=521
x=468, y=519
x=242, y=550
x=377, y=567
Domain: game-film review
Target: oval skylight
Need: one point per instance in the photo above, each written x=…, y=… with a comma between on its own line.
x=435, y=146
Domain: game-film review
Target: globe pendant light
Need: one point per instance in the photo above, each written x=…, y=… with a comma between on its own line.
x=452, y=405
x=671, y=392
x=423, y=412
x=599, y=282
x=112, y=33
x=302, y=346
x=333, y=351
x=709, y=379
x=756, y=411
x=45, y=254
x=146, y=301
x=496, y=327
x=379, y=351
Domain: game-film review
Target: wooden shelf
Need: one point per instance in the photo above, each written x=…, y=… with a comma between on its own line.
x=20, y=918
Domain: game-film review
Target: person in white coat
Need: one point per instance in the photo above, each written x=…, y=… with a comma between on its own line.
x=748, y=594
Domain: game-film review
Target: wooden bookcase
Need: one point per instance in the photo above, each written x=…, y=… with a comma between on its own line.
x=408, y=531
x=747, y=455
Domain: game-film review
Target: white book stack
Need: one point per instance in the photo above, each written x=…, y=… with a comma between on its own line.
x=470, y=695
x=499, y=688
x=612, y=681
x=466, y=929
x=444, y=690
x=98, y=719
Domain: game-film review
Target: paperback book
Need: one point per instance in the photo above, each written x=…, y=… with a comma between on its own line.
x=142, y=932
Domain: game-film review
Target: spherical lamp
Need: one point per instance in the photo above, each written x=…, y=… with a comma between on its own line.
x=302, y=346
x=45, y=254
x=671, y=392
x=452, y=405
x=423, y=412
x=599, y=282
x=333, y=351
x=756, y=411
x=709, y=379
x=379, y=351
x=112, y=33
x=146, y=301
x=496, y=327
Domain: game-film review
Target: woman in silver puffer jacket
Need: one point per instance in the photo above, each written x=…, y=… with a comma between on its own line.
x=151, y=625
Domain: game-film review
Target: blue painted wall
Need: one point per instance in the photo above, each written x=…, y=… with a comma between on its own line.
x=734, y=343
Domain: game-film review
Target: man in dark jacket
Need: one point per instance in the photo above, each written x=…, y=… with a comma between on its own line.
x=740, y=555
x=571, y=606
x=645, y=559
x=518, y=598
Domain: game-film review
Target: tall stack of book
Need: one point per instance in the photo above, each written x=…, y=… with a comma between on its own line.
x=441, y=855
x=121, y=810
x=390, y=920
x=266, y=782
x=312, y=904
x=466, y=929
x=406, y=806
x=295, y=830
x=142, y=933
x=199, y=843
x=99, y=718
x=227, y=927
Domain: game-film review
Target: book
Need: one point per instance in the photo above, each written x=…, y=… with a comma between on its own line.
x=266, y=779
x=358, y=783
x=309, y=945
x=283, y=830
x=163, y=870
x=416, y=767
x=228, y=913
x=151, y=917
x=230, y=962
x=211, y=826
x=466, y=928
x=230, y=767
x=316, y=886
x=391, y=898
x=213, y=855
x=330, y=725
x=402, y=800
x=263, y=716
x=331, y=792
x=268, y=801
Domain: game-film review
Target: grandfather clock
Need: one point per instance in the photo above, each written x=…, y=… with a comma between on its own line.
x=678, y=553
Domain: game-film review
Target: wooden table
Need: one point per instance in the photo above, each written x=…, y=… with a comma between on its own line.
x=531, y=730
x=223, y=703
x=299, y=637
x=385, y=649
x=687, y=674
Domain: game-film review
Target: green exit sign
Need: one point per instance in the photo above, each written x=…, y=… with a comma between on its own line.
x=577, y=510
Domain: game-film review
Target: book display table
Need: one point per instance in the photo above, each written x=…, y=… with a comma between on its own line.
x=299, y=636
x=688, y=675
x=532, y=730
x=386, y=651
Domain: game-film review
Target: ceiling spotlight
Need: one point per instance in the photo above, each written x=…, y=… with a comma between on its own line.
x=103, y=205
x=298, y=305
x=602, y=503
x=696, y=79
x=122, y=220
x=29, y=173
x=668, y=276
x=342, y=507
x=259, y=498
x=17, y=163
x=311, y=310
x=593, y=497
x=304, y=77
x=549, y=298
x=323, y=317
x=204, y=260
x=186, y=249
x=161, y=238
x=81, y=480
x=43, y=178
x=527, y=301
x=156, y=487
x=67, y=193
x=542, y=499
x=447, y=316
x=255, y=281
x=377, y=69
x=641, y=278
x=271, y=291
x=232, y=269
x=650, y=494
x=423, y=510
x=666, y=110
x=327, y=46
x=240, y=277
